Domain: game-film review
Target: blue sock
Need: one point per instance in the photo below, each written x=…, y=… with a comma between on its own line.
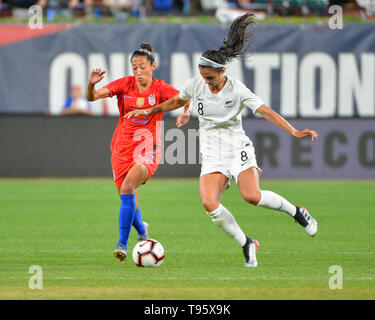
x=126, y=217
x=138, y=223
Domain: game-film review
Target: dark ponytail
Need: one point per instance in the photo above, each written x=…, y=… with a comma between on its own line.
x=146, y=46
x=146, y=50
x=237, y=41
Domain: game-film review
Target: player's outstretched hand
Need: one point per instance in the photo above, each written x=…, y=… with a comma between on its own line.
x=137, y=113
x=305, y=133
x=96, y=75
x=182, y=119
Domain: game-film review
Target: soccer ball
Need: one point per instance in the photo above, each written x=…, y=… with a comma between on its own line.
x=148, y=253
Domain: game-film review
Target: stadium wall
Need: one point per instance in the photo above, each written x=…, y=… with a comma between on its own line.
x=78, y=146
x=302, y=71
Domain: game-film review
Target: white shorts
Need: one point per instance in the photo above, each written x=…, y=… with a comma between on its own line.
x=231, y=166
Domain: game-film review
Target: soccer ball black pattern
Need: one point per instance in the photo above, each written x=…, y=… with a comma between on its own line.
x=148, y=253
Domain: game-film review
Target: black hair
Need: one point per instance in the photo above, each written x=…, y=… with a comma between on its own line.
x=145, y=50
x=237, y=41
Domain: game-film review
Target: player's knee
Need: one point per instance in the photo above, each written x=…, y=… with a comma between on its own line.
x=252, y=197
x=128, y=187
x=210, y=204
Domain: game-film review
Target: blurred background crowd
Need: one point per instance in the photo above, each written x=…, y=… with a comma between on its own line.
x=122, y=10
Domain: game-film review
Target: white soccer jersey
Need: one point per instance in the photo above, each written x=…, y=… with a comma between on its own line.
x=220, y=122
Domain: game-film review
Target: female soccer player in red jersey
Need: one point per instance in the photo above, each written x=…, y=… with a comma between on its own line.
x=136, y=144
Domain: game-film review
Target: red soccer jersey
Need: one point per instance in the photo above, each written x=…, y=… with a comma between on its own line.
x=138, y=136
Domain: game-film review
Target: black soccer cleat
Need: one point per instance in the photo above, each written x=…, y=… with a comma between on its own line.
x=249, y=251
x=304, y=218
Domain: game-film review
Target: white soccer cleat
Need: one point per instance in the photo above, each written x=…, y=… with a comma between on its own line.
x=312, y=227
x=146, y=227
x=249, y=251
x=304, y=218
x=120, y=253
x=145, y=236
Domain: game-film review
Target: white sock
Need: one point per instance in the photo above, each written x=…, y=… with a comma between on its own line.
x=225, y=220
x=272, y=200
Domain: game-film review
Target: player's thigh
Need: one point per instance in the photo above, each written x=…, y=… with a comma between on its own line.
x=136, y=176
x=211, y=187
x=248, y=185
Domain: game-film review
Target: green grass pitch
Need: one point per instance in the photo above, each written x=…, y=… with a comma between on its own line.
x=68, y=227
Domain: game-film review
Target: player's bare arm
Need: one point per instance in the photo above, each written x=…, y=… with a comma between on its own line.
x=169, y=105
x=95, y=77
x=184, y=118
x=279, y=121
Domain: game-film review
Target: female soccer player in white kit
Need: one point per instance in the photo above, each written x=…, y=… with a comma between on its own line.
x=226, y=150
